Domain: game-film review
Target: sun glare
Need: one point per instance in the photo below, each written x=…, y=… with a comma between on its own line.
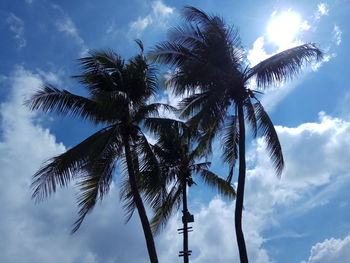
x=283, y=28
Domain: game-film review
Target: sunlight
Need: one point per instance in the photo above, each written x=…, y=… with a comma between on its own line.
x=283, y=28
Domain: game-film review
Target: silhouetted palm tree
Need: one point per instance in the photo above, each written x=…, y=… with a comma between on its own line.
x=178, y=154
x=212, y=72
x=117, y=98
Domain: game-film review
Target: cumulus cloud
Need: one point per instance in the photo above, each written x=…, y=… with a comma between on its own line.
x=40, y=233
x=44, y=229
x=66, y=25
x=257, y=53
x=304, y=146
x=17, y=27
x=330, y=250
x=158, y=17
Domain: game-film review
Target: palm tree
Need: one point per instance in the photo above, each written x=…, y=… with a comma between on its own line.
x=177, y=152
x=212, y=72
x=117, y=98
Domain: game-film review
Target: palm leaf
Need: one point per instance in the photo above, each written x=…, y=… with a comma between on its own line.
x=284, y=65
x=164, y=125
x=50, y=99
x=152, y=110
x=60, y=169
x=267, y=129
x=96, y=181
x=217, y=182
x=163, y=211
x=230, y=140
x=250, y=115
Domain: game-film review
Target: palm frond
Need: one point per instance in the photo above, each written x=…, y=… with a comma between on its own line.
x=267, y=129
x=230, y=141
x=150, y=176
x=140, y=80
x=284, y=65
x=250, y=115
x=101, y=61
x=164, y=210
x=152, y=110
x=192, y=104
x=164, y=125
x=95, y=182
x=192, y=14
x=230, y=174
x=174, y=54
x=140, y=44
x=217, y=182
x=187, y=35
x=50, y=99
x=60, y=169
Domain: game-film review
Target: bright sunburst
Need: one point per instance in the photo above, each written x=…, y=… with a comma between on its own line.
x=283, y=28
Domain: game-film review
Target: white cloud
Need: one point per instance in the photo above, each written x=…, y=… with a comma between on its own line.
x=304, y=146
x=40, y=233
x=326, y=58
x=305, y=25
x=44, y=229
x=17, y=27
x=337, y=35
x=330, y=250
x=322, y=9
x=160, y=9
x=66, y=25
x=158, y=17
x=213, y=238
x=140, y=24
x=257, y=53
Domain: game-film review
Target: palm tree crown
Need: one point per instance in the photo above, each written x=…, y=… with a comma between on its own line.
x=179, y=159
x=212, y=72
x=178, y=153
x=118, y=95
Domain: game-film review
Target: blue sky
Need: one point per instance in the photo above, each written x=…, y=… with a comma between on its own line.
x=302, y=217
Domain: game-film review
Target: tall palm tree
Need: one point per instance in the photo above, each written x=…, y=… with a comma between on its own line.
x=117, y=96
x=178, y=154
x=212, y=72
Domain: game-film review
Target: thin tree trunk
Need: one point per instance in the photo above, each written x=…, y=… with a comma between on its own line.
x=240, y=188
x=139, y=204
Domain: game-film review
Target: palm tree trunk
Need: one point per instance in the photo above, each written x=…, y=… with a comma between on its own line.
x=240, y=188
x=139, y=204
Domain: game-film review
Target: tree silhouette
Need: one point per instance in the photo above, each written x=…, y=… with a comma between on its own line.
x=212, y=73
x=118, y=94
x=180, y=165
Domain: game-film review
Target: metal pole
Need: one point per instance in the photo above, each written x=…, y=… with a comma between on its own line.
x=184, y=220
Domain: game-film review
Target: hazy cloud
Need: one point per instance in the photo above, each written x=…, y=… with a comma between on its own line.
x=158, y=17
x=17, y=27
x=337, y=35
x=66, y=25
